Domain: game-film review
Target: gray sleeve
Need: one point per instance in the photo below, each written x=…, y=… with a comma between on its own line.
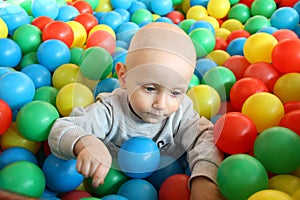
x=197, y=138
x=94, y=119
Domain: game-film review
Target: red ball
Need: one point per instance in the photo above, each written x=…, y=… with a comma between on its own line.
x=75, y=195
x=83, y=7
x=102, y=39
x=237, y=34
x=234, y=133
x=286, y=56
x=283, y=34
x=237, y=64
x=291, y=120
x=244, y=88
x=60, y=31
x=41, y=22
x=247, y=2
x=87, y=20
x=264, y=72
x=287, y=3
x=5, y=116
x=221, y=44
x=290, y=106
x=175, y=16
x=175, y=187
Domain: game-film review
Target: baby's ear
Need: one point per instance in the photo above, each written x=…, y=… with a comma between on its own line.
x=121, y=71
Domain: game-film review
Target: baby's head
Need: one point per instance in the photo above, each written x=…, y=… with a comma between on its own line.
x=161, y=54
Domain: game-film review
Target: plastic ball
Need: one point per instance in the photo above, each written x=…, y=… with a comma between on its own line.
x=14, y=16
x=287, y=87
x=238, y=65
x=53, y=53
x=5, y=116
x=296, y=194
x=47, y=8
x=96, y=63
x=285, y=18
x=112, y=19
x=287, y=49
x=255, y=23
x=47, y=94
x=263, y=71
x=141, y=16
x=10, y=53
x=65, y=74
x=263, y=7
x=221, y=44
x=232, y=25
x=28, y=59
x=16, y=89
x=61, y=175
x=13, y=179
x=284, y=182
x=206, y=100
x=104, y=6
x=196, y=12
x=234, y=133
x=186, y=24
x=167, y=167
x=161, y=7
x=79, y=32
x=83, y=7
x=114, y=197
x=28, y=37
x=221, y=79
x=291, y=120
x=72, y=95
x=273, y=141
x=3, y=29
x=76, y=53
x=244, y=88
x=218, y=8
x=175, y=16
x=101, y=39
x=13, y=138
x=41, y=22
x=175, y=187
x=259, y=47
x=241, y=175
x=239, y=12
x=138, y=157
x=218, y=56
x=203, y=40
x=236, y=46
x=264, y=109
x=87, y=20
x=194, y=81
x=39, y=74
x=67, y=13
x=284, y=34
x=237, y=34
x=270, y=194
x=125, y=4
x=126, y=31
x=15, y=154
x=267, y=29
x=106, y=85
x=103, y=27
x=138, y=189
x=75, y=194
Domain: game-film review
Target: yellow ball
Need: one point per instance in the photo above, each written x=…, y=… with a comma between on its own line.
x=270, y=194
x=185, y=5
x=213, y=21
x=218, y=56
x=259, y=46
x=104, y=6
x=232, y=25
x=80, y=34
x=64, y=75
x=103, y=27
x=287, y=87
x=218, y=8
x=3, y=29
x=196, y=12
x=264, y=109
x=284, y=182
x=222, y=33
x=155, y=17
x=206, y=100
x=71, y=96
x=296, y=194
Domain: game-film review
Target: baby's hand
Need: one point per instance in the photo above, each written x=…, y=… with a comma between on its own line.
x=93, y=159
x=204, y=189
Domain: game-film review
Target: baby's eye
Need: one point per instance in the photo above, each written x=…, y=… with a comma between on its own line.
x=150, y=88
x=176, y=93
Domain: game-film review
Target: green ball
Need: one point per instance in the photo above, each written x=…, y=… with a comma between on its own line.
x=24, y=178
x=28, y=59
x=93, y=3
x=240, y=12
x=241, y=175
x=141, y=15
x=76, y=55
x=255, y=23
x=263, y=7
x=221, y=79
x=204, y=41
x=35, y=119
x=47, y=94
x=278, y=150
x=28, y=37
x=194, y=81
x=186, y=24
x=96, y=63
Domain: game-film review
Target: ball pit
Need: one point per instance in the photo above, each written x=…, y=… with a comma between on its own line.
x=257, y=41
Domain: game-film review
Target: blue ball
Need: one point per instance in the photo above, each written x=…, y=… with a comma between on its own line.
x=139, y=157
x=14, y=154
x=4, y=70
x=285, y=18
x=39, y=74
x=164, y=19
x=112, y=19
x=114, y=197
x=267, y=29
x=67, y=13
x=236, y=46
x=122, y=44
x=168, y=166
x=119, y=56
x=203, y=65
x=48, y=8
x=16, y=89
x=53, y=53
x=124, y=13
x=106, y=85
x=126, y=31
x=14, y=16
x=161, y=7
x=202, y=24
x=199, y=2
x=125, y=4
x=61, y=175
x=136, y=5
x=136, y=189
x=10, y=53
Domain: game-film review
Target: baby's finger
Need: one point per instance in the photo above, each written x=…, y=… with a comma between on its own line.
x=99, y=175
